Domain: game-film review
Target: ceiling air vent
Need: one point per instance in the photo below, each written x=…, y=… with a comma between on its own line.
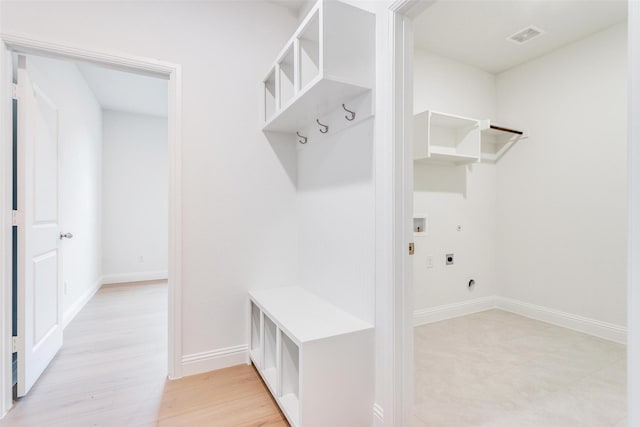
x=525, y=35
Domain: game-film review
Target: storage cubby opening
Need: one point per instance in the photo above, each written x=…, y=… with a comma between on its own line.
x=290, y=366
x=290, y=390
x=255, y=329
x=453, y=136
x=270, y=96
x=287, y=77
x=309, y=42
x=270, y=351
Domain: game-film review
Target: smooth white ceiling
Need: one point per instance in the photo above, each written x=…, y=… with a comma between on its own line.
x=122, y=91
x=475, y=32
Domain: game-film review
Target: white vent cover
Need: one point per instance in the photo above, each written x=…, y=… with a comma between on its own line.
x=525, y=35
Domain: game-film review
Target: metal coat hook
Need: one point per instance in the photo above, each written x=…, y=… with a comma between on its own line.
x=352, y=113
x=303, y=139
x=326, y=128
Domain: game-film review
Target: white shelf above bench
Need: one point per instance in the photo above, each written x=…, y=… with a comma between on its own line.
x=329, y=60
x=318, y=99
x=323, y=366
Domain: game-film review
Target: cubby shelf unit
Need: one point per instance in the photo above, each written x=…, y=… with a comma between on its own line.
x=446, y=138
x=449, y=138
x=316, y=359
x=329, y=59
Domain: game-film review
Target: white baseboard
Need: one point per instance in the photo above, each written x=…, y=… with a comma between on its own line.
x=586, y=325
x=594, y=327
x=198, y=363
x=443, y=312
x=71, y=312
x=378, y=415
x=141, y=276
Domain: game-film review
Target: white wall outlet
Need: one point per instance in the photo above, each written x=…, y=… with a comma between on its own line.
x=429, y=261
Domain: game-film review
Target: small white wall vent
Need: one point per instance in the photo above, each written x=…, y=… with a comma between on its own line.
x=525, y=35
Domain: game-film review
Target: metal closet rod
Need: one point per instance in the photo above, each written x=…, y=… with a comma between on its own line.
x=517, y=132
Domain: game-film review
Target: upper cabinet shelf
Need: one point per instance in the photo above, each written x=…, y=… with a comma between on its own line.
x=329, y=59
x=448, y=138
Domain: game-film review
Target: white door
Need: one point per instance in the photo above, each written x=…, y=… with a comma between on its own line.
x=39, y=284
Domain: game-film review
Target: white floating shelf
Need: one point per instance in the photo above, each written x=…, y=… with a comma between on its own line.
x=449, y=155
x=328, y=60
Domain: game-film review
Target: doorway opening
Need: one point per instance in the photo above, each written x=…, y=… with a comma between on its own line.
x=139, y=126
x=503, y=148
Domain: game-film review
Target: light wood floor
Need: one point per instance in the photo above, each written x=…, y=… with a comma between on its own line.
x=111, y=371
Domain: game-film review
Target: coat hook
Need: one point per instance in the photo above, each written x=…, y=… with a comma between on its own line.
x=303, y=139
x=326, y=128
x=353, y=114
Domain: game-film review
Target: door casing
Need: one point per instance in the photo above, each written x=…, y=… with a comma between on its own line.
x=10, y=44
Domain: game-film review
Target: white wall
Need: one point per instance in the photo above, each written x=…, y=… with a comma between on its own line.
x=562, y=193
x=335, y=219
x=238, y=202
x=80, y=137
x=452, y=196
x=135, y=197
x=449, y=86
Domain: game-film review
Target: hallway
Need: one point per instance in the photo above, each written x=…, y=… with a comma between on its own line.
x=112, y=368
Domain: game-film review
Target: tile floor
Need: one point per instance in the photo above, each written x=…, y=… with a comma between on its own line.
x=496, y=369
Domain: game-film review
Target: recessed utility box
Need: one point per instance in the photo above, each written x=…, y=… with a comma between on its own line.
x=420, y=225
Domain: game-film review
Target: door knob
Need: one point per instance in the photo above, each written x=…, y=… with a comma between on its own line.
x=65, y=236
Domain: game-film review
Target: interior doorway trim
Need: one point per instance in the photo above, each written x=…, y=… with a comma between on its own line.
x=633, y=177
x=10, y=44
x=403, y=12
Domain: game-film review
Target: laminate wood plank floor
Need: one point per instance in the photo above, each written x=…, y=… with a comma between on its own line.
x=498, y=369
x=112, y=371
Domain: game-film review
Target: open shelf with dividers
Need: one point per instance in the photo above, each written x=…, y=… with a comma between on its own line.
x=317, y=359
x=329, y=59
x=446, y=138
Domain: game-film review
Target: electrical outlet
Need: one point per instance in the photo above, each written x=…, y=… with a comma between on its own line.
x=429, y=261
